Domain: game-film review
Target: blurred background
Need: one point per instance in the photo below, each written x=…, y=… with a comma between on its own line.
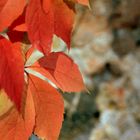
x=106, y=46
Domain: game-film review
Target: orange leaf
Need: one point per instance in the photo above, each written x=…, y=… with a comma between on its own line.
x=15, y=125
x=45, y=18
x=11, y=70
x=62, y=71
x=9, y=11
x=17, y=29
x=84, y=2
x=49, y=109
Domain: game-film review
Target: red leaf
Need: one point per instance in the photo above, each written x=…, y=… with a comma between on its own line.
x=19, y=23
x=49, y=109
x=46, y=18
x=15, y=125
x=16, y=36
x=17, y=29
x=9, y=11
x=63, y=20
x=62, y=71
x=84, y=2
x=11, y=70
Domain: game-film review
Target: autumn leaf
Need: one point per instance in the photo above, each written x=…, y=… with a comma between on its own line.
x=17, y=30
x=11, y=70
x=61, y=70
x=28, y=103
x=49, y=108
x=5, y=103
x=19, y=23
x=9, y=11
x=46, y=18
x=15, y=125
x=83, y=2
